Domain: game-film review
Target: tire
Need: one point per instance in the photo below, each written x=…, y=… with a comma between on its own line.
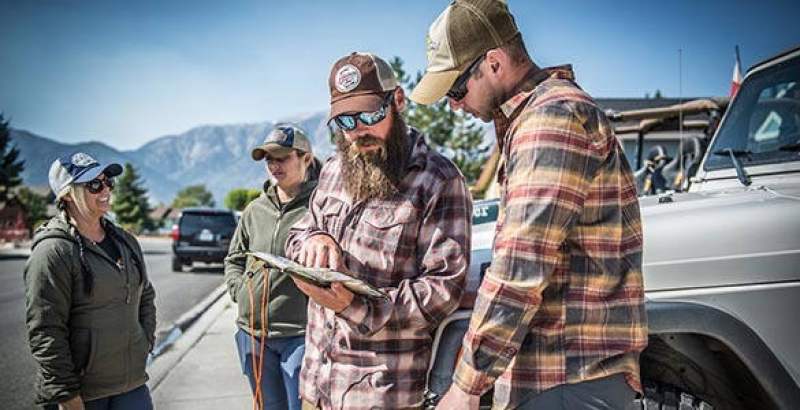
x=658, y=396
x=177, y=266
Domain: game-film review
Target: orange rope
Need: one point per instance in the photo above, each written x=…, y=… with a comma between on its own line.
x=258, y=395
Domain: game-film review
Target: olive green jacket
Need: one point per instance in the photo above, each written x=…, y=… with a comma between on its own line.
x=94, y=345
x=263, y=228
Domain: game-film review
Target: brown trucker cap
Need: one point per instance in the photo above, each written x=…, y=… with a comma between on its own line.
x=359, y=82
x=464, y=31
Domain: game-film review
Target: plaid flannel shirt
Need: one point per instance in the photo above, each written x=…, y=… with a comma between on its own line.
x=563, y=301
x=415, y=247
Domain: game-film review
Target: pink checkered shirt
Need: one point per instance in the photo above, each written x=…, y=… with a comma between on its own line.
x=415, y=247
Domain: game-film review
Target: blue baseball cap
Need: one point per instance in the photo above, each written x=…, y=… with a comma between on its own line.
x=78, y=168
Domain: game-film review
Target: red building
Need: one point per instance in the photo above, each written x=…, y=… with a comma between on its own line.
x=13, y=227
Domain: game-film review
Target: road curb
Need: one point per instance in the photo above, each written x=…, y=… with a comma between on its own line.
x=186, y=332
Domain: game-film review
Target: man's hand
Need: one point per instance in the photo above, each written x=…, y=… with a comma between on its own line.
x=336, y=298
x=321, y=251
x=75, y=403
x=456, y=398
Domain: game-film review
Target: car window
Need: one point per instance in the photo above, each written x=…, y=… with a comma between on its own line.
x=218, y=223
x=764, y=119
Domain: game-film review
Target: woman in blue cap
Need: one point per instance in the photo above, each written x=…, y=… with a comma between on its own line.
x=90, y=308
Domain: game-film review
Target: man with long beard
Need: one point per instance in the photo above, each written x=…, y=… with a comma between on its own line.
x=389, y=210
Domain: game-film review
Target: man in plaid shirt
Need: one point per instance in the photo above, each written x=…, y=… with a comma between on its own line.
x=395, y=213
x=560, y=317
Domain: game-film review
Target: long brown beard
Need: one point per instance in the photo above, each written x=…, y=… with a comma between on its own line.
x=375, y=174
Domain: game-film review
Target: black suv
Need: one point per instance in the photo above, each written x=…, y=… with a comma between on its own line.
x=201, y=234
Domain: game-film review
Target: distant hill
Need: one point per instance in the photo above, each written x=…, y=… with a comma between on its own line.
x=215, y=155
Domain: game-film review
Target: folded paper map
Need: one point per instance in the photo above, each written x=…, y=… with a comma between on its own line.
x=322, y=277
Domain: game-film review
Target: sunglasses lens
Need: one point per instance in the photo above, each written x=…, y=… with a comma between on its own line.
x=95, y=186
x=346, y=122
x=372, y=118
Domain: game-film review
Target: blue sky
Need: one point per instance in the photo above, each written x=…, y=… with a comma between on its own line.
x=125, y=72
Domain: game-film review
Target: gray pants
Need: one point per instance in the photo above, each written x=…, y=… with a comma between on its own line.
x=608, y=393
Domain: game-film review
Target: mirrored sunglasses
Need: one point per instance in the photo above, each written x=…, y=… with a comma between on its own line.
x=348, y=122
x=96, y=185
x=459, y=89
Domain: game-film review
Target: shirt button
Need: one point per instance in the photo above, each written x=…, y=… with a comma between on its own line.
x=328, y=326
x=363, y=328
x=324, y=360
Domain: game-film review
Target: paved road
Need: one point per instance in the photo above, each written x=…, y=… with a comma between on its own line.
x=175, y=294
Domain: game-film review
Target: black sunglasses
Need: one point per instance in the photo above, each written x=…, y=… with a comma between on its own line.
x=95, y=186
x=458, y=90
x=349, y=122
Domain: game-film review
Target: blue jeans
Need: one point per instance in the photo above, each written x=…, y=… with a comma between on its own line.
x=280, y=375
x=136, y=399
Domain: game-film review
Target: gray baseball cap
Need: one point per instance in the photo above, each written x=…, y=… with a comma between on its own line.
x=78, y=168
x=281, y=141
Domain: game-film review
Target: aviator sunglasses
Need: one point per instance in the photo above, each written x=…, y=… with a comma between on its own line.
x=348, y=122
x=459, y=89
x=96, y=185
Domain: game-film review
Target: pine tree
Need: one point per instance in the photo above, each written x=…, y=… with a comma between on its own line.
x=10, y=165
x=35, y=207
x=453, y=134
x=130, y=201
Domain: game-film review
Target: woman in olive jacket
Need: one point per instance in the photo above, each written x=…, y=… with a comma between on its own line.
x=263, y=228
x=90, y=308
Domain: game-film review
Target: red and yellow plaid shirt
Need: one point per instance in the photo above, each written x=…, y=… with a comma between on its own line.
x=375, y=353
x=563, y=301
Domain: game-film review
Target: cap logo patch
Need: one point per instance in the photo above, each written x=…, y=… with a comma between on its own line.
x=82, y=160
x=431, y=46
x=347, y=78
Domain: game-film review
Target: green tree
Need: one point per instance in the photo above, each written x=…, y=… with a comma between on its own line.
x=193, y=195
x=238, y=198
x=35, y=206
x=454, y=134
x=130, y=201
x=10, y=164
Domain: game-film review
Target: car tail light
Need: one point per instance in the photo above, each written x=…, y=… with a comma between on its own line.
x=176, y=233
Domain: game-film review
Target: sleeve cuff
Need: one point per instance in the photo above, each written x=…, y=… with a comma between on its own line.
x=470, y=380
x=356, y=313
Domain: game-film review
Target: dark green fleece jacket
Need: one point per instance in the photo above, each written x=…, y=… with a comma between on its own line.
x=263, y=228
x=95, y=345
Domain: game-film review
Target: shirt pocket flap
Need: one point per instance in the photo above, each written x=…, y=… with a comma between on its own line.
x=383, y=217
x=333, y=207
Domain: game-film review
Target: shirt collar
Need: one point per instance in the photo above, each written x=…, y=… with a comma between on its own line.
x=419, y=150
x=529, y=84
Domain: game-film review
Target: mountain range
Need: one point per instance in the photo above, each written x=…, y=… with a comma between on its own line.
x=217, y=156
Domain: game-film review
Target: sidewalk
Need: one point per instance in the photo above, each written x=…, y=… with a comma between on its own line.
x=201, y=369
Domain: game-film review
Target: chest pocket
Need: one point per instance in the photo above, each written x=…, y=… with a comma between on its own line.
x=387, y=238
x=333, y=213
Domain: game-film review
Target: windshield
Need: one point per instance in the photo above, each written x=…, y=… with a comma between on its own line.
x=218, y=223
x=763, y=122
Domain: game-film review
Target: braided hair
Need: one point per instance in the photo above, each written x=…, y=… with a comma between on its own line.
x=86, y=272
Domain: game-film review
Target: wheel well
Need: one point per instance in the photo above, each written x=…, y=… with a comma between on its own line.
x=704, y=367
